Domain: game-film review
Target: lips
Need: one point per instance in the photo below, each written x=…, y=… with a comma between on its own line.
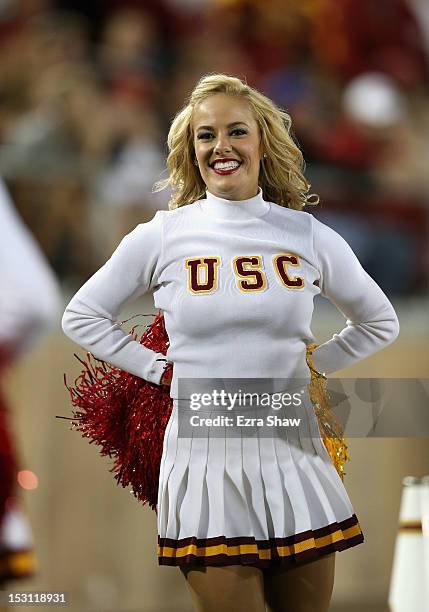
x=225, y=166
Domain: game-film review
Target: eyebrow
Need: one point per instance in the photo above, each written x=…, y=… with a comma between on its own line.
x=230, y=125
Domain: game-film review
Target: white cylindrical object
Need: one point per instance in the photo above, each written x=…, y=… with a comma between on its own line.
x=408, y=588
x=15, y=532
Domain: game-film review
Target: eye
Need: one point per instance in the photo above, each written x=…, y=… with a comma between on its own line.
x=239, y=131
x=204, y=135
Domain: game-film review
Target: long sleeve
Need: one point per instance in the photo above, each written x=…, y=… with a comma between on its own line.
x=30, y=298
x=371, y=322
x=90, y=318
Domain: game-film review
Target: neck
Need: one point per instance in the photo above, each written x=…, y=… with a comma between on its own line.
x=239, y=210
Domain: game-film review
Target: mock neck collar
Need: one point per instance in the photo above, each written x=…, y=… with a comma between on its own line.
x=239, y=210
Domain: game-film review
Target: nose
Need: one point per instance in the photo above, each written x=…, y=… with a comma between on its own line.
x=222, y=143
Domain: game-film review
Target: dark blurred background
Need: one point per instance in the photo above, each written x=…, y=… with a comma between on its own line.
x=87, y=94
x=88, y=89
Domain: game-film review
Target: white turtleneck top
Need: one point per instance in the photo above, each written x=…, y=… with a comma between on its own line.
x=235, y=281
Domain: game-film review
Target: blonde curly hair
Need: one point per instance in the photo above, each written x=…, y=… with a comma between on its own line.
x=281, y=172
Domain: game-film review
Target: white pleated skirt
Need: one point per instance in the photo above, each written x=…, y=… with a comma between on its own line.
x=250, y=500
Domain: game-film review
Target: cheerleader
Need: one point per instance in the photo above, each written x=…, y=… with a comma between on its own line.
x=234, y=266
x=30, y=303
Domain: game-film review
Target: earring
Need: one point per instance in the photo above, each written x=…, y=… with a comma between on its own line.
x=265, y=156
x=195, y=162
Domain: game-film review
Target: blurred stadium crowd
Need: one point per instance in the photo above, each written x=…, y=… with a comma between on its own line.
x=88, y=89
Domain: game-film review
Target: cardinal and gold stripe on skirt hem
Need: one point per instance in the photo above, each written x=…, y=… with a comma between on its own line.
x=292, y=550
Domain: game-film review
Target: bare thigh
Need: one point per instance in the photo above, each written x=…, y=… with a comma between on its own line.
x=233, y=588
x=305, y=588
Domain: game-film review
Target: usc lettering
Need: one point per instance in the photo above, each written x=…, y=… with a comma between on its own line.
x=203, y=272
x=249, y=268
x=280, y=262
x=205, y=267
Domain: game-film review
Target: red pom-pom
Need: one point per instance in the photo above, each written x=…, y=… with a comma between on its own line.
x=125, y=416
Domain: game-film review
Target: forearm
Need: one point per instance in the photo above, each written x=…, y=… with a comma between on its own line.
x=355, y=342
x=106, y=340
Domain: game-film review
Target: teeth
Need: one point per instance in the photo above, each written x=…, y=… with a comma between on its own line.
x=226, y=165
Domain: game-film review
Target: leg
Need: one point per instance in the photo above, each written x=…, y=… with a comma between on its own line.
x=305, y=588
x=233, y=588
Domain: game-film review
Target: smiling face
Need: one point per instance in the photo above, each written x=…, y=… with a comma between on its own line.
x=227, y=146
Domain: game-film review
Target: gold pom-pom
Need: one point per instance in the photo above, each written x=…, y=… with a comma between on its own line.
x=332, y=431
